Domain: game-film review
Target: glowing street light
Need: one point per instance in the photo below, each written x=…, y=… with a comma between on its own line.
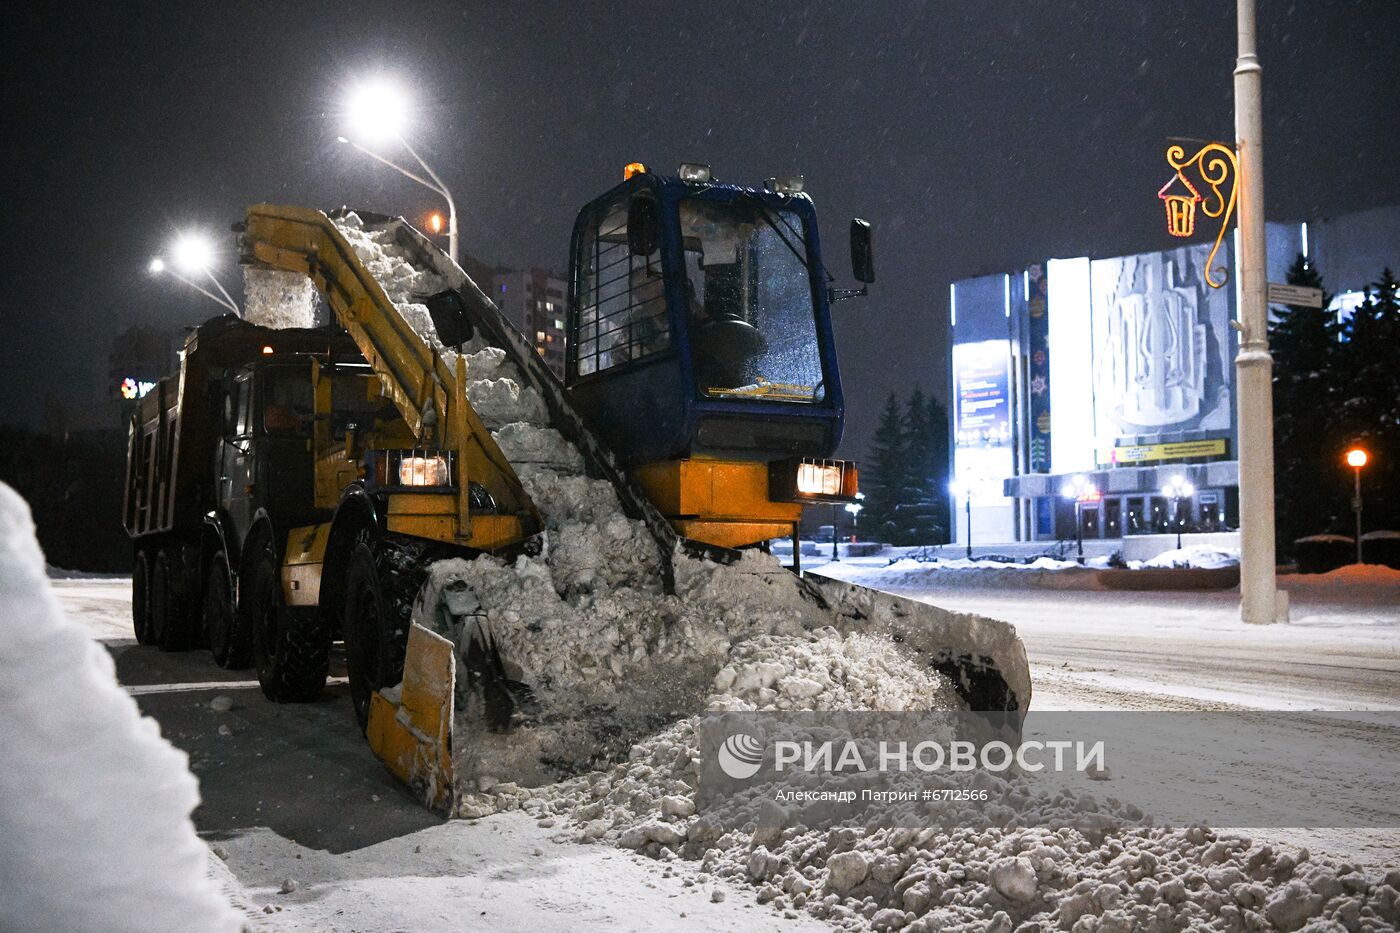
x=1356, y=459
x=1081, y=491
x=192, y=255
x=377, y=112
x=1176, y=490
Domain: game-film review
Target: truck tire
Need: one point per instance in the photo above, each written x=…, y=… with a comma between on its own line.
x=171, y=623
x=229, y=642
x=381, y=585
x=141, y=598
x=291, y=647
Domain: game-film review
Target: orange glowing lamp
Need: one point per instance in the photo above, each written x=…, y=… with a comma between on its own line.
x=435, y=222
x=633, y=168
x=1357, y=457
x=1181, y=208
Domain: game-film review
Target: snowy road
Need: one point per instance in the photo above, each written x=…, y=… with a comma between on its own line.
x=292, y=792
x=1105, y=649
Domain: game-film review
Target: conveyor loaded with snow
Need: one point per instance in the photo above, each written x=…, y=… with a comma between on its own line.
x=623, y=666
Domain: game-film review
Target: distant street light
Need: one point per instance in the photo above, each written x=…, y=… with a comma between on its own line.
x=964, y=489
x=1176, y=490
x=1356, y=459
x=1081, y=491
x=192, y=254
x=377, y=112
x=855, y=508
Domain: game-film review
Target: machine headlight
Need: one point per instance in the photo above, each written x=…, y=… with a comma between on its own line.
x=814, y=479
x=808, y=479
x=424, y=471
x=694, y=173
x=415, y=469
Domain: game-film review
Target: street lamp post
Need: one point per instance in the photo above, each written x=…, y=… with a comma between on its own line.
x=964, y=489
x=377, y=111
x=1356, y=459
x=1080, y=490
x=1260, y=601
x=1176, y=490
x=835, y=537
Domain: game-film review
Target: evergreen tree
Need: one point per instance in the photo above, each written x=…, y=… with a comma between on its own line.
x=884, y=475
x=940, y=464
x=1305, y=346
x=917, y=514
x=1369, y=376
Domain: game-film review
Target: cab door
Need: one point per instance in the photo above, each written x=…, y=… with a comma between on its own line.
x=236, y=456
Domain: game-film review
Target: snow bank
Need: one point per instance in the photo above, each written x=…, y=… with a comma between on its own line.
x=1200, y=556
x=95, y=830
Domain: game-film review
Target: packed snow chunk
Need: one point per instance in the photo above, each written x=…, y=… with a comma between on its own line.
x=95, y=831
x=499, y=402
x=278, y=299
x=522, y=442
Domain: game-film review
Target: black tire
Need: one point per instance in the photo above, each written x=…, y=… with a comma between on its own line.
x=291, y=647
x=171, y=624
x=141, y=598
x=380, y=587
x=229, y=642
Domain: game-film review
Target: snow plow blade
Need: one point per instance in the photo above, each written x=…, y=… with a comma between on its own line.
x=984, y=658
x=412, y=732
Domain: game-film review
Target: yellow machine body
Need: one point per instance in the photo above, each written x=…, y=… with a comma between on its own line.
x=721, y=502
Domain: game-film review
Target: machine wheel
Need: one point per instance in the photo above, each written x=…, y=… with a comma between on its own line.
x=170, y=617
x=228, y=641
x=291, y=648
x=141, y=598
x=380, y=588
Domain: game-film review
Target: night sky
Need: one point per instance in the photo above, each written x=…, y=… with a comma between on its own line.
x=976, y=137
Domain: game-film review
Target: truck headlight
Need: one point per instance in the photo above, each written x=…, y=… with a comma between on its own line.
x=423, y=471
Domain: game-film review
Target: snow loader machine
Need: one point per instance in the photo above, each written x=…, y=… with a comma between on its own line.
x=293, y=487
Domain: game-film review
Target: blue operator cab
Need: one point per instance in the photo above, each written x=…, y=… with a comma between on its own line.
x=700, y=347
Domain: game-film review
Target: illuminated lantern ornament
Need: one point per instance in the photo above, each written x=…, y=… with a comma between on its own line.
x=1181, y=208
x=1215, y=163
x=129, y=388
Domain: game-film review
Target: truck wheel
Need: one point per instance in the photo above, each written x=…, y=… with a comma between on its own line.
x=379, y=592
x=291, y=648
x=141, y=598
x=228, y=641
x=170, y=624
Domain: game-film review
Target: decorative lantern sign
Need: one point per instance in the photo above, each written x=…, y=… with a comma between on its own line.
x=1181, y=208
x=1215, y=163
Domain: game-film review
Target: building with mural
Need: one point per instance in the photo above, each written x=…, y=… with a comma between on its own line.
x=1118, y=373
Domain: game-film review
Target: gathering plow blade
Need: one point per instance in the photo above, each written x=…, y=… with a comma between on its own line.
x=410, y=726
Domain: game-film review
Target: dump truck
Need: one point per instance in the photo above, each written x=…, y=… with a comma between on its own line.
x=293, y=487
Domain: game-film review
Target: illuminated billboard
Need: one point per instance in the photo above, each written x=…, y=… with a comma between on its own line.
x=982, y=432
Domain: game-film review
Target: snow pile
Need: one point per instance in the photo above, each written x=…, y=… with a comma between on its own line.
x=1199, y=556
x=278, y=299
x=95, y=830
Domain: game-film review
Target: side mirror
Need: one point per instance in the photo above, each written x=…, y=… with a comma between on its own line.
x=862, y=252
x=643, y=226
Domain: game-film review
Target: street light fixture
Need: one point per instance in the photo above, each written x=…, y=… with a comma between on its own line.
x=1176, y=490
x=1081, y=491
x=1356, y=459
x=377, y=112
x=192, y=255
x=962, y=488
